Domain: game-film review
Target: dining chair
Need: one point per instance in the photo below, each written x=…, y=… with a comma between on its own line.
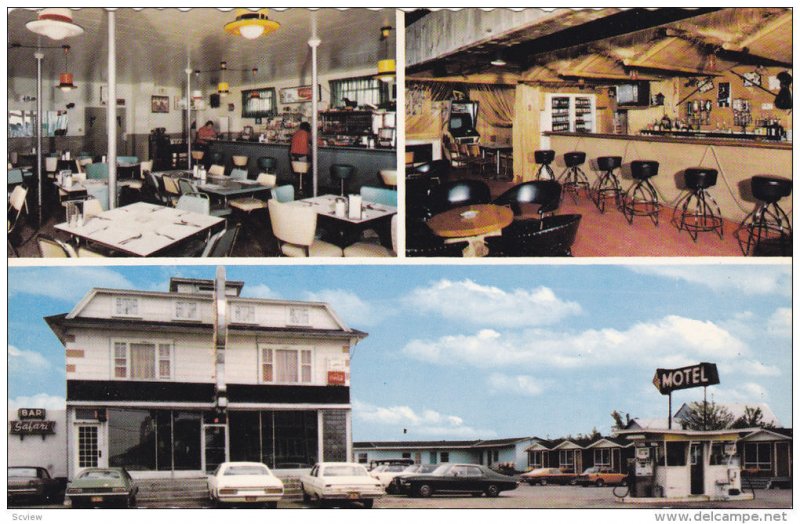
x=185, y=186
x=14, y=176
x=216, y=170
x=17, y=203
x=171, y=189
x=51, y=164
x=458, y=193
x=194, y=202
x=238, y=174
x=422, y=242
x=553, y=237
x=97, y=171
x=546, y=193
x=294, y=227
x=225, y=244
x=127, y=160
x=209, y=245
x=154, y=186
x=379, y=195
x=250, y=204
x=51, y=248
x=88, y=253
x=91, y=208
x=370, y=249
x=283, y=193
x=146, y=166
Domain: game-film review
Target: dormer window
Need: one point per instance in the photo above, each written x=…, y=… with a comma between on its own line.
x=126, y=307
x=243, y=314
x=187, y=310
x=298, y=316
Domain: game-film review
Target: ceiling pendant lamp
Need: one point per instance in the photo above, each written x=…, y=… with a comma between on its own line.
x=254, y=94
x=387, y=67
x=65, y=79
x=55, y=23
x=223, y=89
x=251, y=24
x=498, y=59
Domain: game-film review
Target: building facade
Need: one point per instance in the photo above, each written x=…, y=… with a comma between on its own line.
x=174, y=383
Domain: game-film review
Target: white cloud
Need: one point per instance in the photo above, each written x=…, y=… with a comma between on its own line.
x=349, y=306
x=672, y=341
x=259, y=291
x=747, y=393
x=428, y=422
x=745, y=279
x=750, y=367
x=780, y=323
x=524, y=385
x=40, y=400
x=487, y=305
x=23, y=360
x=68, y=283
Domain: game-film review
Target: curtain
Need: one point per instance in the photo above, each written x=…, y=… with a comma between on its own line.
x=496, y=104
x=143, y=360
x=366, y=90
x=305, y=362
x=285, y=365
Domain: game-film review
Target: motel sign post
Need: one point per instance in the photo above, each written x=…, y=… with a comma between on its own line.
x=700, y=375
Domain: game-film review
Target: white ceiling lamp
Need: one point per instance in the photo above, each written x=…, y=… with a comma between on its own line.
x=251, y=24
x=55, y=23
x=498, y=60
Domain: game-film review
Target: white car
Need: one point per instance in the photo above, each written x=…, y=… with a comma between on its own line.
x=244, y=483
x=386, y=472
x=344, y=481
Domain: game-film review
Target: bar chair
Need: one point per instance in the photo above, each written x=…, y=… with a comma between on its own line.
x=641, y=199
x=607, y=185
x=696, y=210
x=573, y=178
x=767, y=230
x=341, y=173
x=300, y=168
x=545, y=157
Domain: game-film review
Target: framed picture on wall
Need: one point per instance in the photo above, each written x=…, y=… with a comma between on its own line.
x=159, y=104
x=298, y=95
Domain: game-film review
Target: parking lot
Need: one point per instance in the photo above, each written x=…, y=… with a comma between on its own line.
x=532, y=497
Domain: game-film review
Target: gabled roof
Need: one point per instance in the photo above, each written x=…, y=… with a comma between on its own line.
x=500, y=443
x=416, y=444
x=610, y=442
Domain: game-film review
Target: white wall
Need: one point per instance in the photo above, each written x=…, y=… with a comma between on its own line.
x=33, y=450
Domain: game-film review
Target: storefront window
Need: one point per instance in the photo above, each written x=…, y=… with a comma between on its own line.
x=245, y=442
x=186, y=429
x=296, y=438
x=334, y=432
x=163, y=440
x=132, y=437
x=676, y=453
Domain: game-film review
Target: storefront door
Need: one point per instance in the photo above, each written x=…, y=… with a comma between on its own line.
x=697, y=465
x=215, y=446
x=90, y=450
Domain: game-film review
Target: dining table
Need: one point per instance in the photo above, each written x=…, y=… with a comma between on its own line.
x=142, y=229
x=495, y=149
x=472, y=224
x=220, y=187
x=345, y=230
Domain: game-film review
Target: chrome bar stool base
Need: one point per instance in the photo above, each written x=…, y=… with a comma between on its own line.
x=607, y=186
x=697, y=211
x=641, y=199
x=573, y=178
x=767, y=231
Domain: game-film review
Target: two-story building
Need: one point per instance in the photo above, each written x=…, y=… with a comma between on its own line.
x=174, y=383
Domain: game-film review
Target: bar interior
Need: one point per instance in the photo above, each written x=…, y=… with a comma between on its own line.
x=201, y=132
x=603, y=132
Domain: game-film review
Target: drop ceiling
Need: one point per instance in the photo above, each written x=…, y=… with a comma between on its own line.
x=155, y=45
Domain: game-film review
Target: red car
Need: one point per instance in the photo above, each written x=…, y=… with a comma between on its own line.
x=544, y=476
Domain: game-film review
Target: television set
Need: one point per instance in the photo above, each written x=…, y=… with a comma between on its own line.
x=635, y=94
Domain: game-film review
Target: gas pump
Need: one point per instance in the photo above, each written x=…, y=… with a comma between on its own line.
x=644, y=472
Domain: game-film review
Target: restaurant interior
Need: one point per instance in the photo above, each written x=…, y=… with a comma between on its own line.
x=602, y=132
x=234, y=132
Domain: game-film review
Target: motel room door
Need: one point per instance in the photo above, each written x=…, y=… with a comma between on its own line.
x=90, y=450
x=697, y=464
x=215, y=446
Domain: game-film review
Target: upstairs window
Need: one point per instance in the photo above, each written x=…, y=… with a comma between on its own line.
x=126, y=306
x=244, y=314
x=298, y=316
x=187, y=310
x=286, y=366
x=142, y=360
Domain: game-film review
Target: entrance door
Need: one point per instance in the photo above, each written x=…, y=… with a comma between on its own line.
x=215, y=446
x=89, y=452
x=697, y=464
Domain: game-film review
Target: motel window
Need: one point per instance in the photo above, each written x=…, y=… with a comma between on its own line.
x=362, y=458
x=244, y=313
x=406, y=455
x=286, y=366
x=602, y=457
x=142, y=360
x=126, y=307
x=758, y=456
x=536, y=459
x=444, y=456
x=187, y=310
x=676, y=453
x=298, y=316
x=566, y=460
x=364, y=90
x=495, y=455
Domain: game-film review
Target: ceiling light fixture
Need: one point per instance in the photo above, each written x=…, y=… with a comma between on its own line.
x=55, y=23
x=251, y=24
x=387, y=67
x=65, y=79
x=223, y=89
x=498, y=60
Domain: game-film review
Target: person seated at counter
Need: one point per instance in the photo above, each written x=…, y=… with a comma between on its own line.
x=301, y=141
x=206, y=133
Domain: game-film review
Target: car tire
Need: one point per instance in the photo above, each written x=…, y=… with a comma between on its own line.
x=368, y=503
x=492, y=490
x=599, y=483
x=131, y=502
x=530, y=482
x=319, y=502
x=424, y=490
x=271, y=505
x=306, y=498
x=543, y=482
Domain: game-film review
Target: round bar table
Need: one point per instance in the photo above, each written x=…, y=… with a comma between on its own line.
x=472, y=223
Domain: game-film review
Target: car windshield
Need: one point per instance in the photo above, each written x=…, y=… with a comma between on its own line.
x=591, y=470
x=394, y=468
x=246, y=470
x=100, y=475
x=22, y=472
x=345, y=471
x=441, y=470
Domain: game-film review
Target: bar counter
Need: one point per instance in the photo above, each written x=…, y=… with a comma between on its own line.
x=368, y=162
x=736, y=160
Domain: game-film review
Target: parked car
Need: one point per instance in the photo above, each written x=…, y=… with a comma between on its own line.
x=244, y=483
x=414, y=469
x=544, y=476
x=346, y=481
x=34, y=484
x=95, y=487
x=387, y=462
x=600, y=476
x=386, y=472
x=457, y=478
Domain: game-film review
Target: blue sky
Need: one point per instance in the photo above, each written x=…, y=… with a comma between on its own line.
x=483, y=351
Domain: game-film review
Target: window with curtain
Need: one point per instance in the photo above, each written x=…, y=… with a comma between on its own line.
x=602, y=457
x=142, y=360
x=258, y=103
x=364, y=90
x=286, y=366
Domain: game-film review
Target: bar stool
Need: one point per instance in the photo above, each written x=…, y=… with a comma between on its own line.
x=342, y=172
x=607, y=185
x=239, y=161
x=697, y=210
x=267, y=164
x=573, y=177
x=768, y=226
x=545, y=157
x=215, y=158
x=641, y=198
x=197, y=155
x=300, y=168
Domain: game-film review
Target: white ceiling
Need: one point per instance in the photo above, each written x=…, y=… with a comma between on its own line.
x=153, y=45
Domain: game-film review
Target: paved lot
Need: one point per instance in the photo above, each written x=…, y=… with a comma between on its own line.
x=548, y=497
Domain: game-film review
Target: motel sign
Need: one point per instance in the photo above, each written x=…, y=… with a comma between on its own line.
x=699, y=375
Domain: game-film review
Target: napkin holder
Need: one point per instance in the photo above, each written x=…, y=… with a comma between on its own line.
x=354, y=211
x=340, y=207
